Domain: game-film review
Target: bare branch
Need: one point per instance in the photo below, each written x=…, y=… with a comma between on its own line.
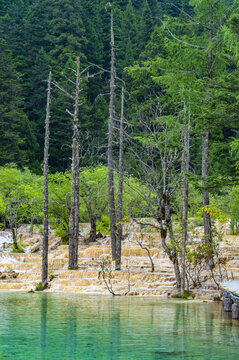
x=181, y=41
x=63, y=90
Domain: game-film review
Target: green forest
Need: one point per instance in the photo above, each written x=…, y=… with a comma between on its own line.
x=178, y=64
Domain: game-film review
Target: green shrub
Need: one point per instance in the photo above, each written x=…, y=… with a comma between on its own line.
x=103, y=226
x=39, y=287
x=20, y=248
x=62, y=234
x=185, y=295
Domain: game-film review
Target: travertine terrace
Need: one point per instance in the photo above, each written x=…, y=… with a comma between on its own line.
x=22, y=271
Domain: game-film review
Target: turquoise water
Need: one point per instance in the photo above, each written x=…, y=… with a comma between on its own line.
x=71, y=326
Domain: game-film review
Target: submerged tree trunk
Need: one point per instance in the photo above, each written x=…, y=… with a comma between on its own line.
x=45, y=205
x=120, y=189
x=74, y=211
x=110, y=145
x=185, y=171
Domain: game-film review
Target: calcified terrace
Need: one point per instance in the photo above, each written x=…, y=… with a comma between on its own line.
x=22, y=271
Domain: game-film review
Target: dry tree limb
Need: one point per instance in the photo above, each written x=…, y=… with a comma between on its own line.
x=140, y=242
x=105, y=266
x=107, y=283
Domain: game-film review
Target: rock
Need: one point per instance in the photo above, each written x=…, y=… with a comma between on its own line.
x=227, y=302
x=8, y=275
x=133, y=293
x=55, y=244
x=235, y=311
x=13, y=275
x=173, y=294
x=2, y=276
x=36, y=248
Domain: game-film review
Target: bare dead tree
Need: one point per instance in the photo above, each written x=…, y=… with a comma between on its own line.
x=205, y=153
x=120, y=187
x=105, y=269
x=45, y=174
x=110, y=144
x=107, y=276
x=74, y=211
x=158, y=161
x=140, y=242
x=185, y=171
x=74, y=206
x=205, y=196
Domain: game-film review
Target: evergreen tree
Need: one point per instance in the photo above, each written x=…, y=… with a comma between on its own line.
x=35, y=103
x=146, y=24
x=127, y=37
x=13, y=121
x=12, y=30
x=66, y=35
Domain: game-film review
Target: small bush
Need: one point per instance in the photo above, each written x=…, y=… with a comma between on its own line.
x=20, y=248
x=103, y=226
x=39, y=286
x=185, y=295
x=62, y=234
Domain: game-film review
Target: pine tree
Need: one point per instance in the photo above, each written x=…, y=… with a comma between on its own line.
x=12, y=30
x=13, y=121
x=66, y=35
x=35, y=103
x=146, y=25
x=129, y=37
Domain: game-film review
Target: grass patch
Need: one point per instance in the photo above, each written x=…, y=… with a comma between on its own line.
x=39, y=287
x=185, y=295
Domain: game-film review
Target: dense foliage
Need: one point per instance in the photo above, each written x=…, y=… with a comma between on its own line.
x=151, y=37
x=179, y=62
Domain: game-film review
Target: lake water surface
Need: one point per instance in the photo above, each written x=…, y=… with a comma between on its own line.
x=72, y=326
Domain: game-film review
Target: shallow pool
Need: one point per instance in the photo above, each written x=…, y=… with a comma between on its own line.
x=72, y=326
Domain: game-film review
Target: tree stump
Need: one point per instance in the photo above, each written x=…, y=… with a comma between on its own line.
x=227, y=302
x=235, y=311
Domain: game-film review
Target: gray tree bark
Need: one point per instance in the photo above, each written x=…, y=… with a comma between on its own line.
x=185, y=171
x=74, y=211
x=110, y=145
x=205, y=198
x=205, y=161
x=92, y=236
x=165, y=222
x=120, y=187
x=45, y=174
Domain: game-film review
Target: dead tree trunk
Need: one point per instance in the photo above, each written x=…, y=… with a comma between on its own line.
x=205, y=199
x=185, y=171
x=205, y=158
x=92, y=237
x=74, y=211
x=14, y=237
x=45, y=173
x=120, y=189
x=110, y=145
x=165, y=222
x=11, y=215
